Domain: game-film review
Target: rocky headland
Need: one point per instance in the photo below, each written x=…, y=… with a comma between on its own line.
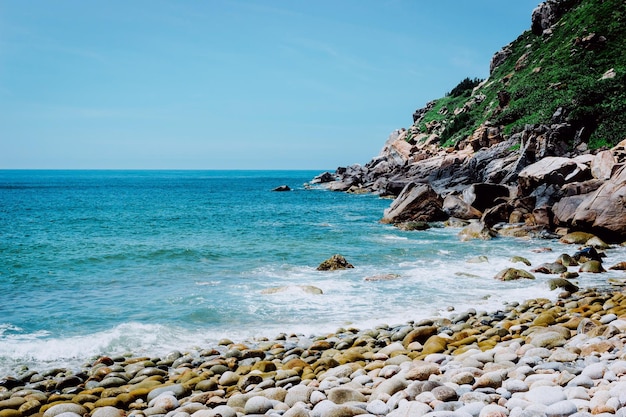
x=539, y=145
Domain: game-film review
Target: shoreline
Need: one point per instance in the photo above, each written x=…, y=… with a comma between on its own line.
x=460, y=365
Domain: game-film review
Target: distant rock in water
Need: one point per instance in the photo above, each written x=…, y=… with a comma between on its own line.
x=282, y=188
x=333, y=263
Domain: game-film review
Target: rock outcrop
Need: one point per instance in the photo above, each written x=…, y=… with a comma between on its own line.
x=540, y=178
x=602, y=211
x=585, y=191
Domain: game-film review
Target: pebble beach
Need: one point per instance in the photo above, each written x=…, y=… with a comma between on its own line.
x=539, y=357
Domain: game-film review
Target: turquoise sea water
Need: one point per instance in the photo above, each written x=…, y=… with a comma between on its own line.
x=109, y=262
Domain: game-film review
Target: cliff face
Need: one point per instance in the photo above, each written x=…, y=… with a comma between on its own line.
x=547, y=126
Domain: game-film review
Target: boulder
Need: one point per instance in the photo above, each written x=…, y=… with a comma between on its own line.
x=454, y=206
x=416, y=202
x=546, y=15
x=604, y=210
x=588, y=253
x=282, y=188
x=592, y=266
x=497, y=214
x=323, y=178
x=333, y=263
x=551, y=170
x=340, y=185
x=576, y=238
x=563, y=283
x=476, y=230
x=565, y=209
x=602, y=165
x=550, y=268
x=512, y=274
x=483, y=196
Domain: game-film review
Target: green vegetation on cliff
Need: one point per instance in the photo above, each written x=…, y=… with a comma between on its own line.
x=577, y=70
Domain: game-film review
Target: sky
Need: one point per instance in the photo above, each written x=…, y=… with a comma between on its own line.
x=216, y=84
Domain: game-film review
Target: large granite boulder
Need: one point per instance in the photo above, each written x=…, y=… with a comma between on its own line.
x=602, y=165
x=396, y=150
x=552, y=170
x=416, y=202
x=602, y=211
x=457, y=207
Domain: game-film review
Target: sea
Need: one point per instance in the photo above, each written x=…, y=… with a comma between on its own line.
x=147, y=262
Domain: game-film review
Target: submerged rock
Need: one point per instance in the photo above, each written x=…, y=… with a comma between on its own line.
x=309, y=289
x=410, y=226
x=382, y=277
x=521, y=259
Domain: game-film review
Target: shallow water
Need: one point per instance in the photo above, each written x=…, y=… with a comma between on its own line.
x=109, y=262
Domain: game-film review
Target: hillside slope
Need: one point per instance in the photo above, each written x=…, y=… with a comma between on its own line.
x=571, y=69
x=534, y=144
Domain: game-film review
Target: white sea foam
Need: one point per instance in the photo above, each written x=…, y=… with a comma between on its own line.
x=208, y=283
x=394, y=237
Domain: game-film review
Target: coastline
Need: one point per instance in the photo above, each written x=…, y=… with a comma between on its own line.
x=471, y=364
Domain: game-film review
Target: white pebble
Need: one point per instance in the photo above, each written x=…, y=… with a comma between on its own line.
x=317, y=397
x=581, y=381
x=545, y=395
x=258, y=405
x=607, y=318
x=561, y=409
x=577, y=392
x=594, y=371
x=493, y=410
x=377, y=407
x=515, y=385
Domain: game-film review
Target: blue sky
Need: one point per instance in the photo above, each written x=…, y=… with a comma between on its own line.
x=253, y=84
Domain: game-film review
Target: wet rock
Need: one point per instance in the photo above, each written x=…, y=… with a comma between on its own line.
x=592, y=266
x=282, y=188
x=576, y=238
x=512, y=274
x=476, y=230
x=620, y=266
x=521, y=259
x=550, y=268
x=409, y=226
x=335, y=262
x=456, y=207
x=555, y=283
